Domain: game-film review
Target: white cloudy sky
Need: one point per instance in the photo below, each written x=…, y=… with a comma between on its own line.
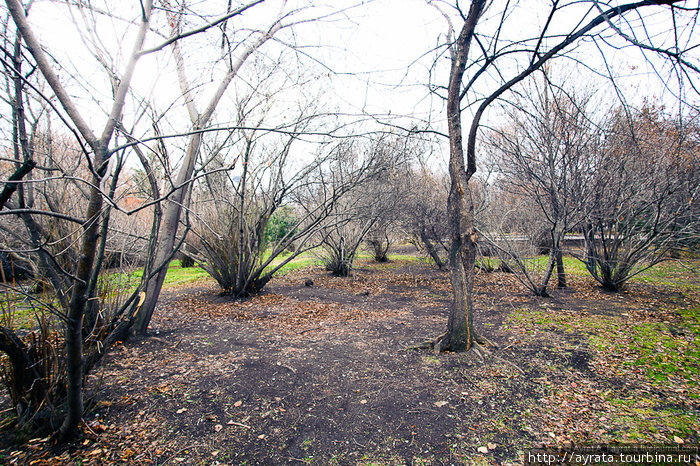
x=375, y=48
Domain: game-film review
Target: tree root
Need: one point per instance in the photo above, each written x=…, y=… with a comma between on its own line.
x=439, y=344
x=480, y=351
x=483, y=341
x=428, y=344
x=482, y=348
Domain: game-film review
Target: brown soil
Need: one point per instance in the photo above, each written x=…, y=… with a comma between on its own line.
x=325, y=375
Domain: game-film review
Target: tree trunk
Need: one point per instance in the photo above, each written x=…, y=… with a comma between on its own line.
x=26, y=388
x=186, y=261
x=561, y=273
x=74, y=323
x=430, y=248
x=541, y=290
x=168, y=234
x=460, y=335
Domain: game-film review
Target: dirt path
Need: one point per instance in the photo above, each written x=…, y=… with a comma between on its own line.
x=322, y=375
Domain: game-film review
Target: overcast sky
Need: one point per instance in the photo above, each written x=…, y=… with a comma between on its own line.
x=375, y=56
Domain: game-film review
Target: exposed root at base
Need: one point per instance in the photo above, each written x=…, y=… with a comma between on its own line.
x=483, y=341
x=481, y=347
x=480, y=351
x=428, y=344
x=441, y=344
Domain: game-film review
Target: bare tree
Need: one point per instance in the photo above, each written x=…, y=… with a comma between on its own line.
x=77, y=287
x=84, y=227
x=638, y=195
x=199, y=119
x=540, y=155
x=496, y=39
x=380, y=239
x=234, y=209
x=424, y=214
x=368, y=204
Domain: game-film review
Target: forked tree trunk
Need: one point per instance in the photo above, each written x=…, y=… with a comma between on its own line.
x=460, y=335
x=171, y=217
x=90, y=234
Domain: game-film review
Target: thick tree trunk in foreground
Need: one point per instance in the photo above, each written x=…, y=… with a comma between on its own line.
x=460, y=335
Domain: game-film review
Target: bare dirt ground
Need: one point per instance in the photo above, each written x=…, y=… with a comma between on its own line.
x=325, y=375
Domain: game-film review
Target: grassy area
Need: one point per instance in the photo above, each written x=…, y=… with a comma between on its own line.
x=671, y=273
x=661, y=358
x=178, y=275
x=639, y=419
x=662, y=352
x=305, y=259
x=17, y=316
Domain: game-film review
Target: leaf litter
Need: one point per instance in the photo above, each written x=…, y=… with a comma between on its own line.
x=323, y=372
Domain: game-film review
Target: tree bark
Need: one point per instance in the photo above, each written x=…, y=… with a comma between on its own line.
x=168, y=234
x=74, y=321
x=561, y=273
x=460, y=335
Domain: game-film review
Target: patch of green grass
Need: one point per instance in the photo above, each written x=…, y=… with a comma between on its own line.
x=672, y=274
x=662, y=355
x=410, y=258
x=572, y=266
x=641, y=419
x=177, y=275
x=306, y=259
x=24, y=318
x=562, y=321
x=660, y=351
